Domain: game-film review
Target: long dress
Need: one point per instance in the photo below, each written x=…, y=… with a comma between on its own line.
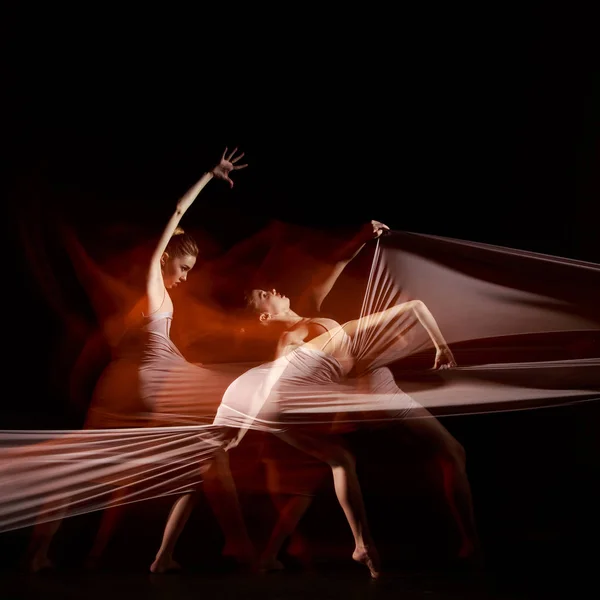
x=150, y=383
x=148, y=433
x=310, y=388
x=505, y=313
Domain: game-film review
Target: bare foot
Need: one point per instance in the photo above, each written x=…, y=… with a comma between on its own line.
x=299, y=549
x=39, y=563
x=244, y=554
x=270, y=563
x=471, y=554
x=368, y=556
x=164, y=565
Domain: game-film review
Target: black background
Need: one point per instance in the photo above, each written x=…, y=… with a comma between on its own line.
x=470, y=123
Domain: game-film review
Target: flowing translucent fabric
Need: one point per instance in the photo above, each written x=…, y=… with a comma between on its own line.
x=524, y=329
x=523, y=326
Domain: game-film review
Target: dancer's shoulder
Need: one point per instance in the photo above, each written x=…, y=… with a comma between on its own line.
x=324, y=322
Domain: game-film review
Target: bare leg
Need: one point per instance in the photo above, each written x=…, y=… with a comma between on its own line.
x=39, y=547
x=456, y=484
x=221, y=492
x=291, y=510
x=178, y=517
x=347, y=489
x=298, y=546
x=109, y=522
x=43, y=533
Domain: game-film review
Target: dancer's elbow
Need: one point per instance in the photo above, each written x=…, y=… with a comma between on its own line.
x=417, y=305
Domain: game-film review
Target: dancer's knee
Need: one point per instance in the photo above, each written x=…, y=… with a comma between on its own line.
x=342, y=459
x=219, y=462
x=459, y=453
x=221, y=456
x=454, y=453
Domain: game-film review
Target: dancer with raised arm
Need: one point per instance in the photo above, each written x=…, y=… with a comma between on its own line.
x=294, y=481
x=307, y=384
x=148, y=381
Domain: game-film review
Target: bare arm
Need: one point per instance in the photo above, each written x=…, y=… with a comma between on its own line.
x=258, y=397
x=155, y=284
x=444, y=357
x=325, y=278
x=184, y=203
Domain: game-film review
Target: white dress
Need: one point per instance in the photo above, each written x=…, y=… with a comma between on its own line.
x=310, y=387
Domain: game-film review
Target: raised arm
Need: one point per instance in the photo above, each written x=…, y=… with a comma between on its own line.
x=155, y=284
x=325, y=277
x=443, y=358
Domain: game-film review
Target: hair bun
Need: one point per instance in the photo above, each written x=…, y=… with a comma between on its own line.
x=178, y=231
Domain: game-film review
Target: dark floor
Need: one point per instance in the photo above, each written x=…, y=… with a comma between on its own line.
x=326, y=581
x=293, y=586
x=542, y=568
x=535, y=489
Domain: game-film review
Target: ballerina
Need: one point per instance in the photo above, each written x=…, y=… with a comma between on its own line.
x=316, y=354
x=146, y=378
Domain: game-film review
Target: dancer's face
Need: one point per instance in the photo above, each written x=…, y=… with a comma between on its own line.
x=175, y=270
x=269, y=303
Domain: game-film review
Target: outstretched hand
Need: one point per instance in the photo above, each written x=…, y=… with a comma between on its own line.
x=444, y=359
x=226, y=165
x=374, y=229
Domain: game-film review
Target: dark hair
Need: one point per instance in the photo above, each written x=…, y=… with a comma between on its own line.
x=182, y=244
